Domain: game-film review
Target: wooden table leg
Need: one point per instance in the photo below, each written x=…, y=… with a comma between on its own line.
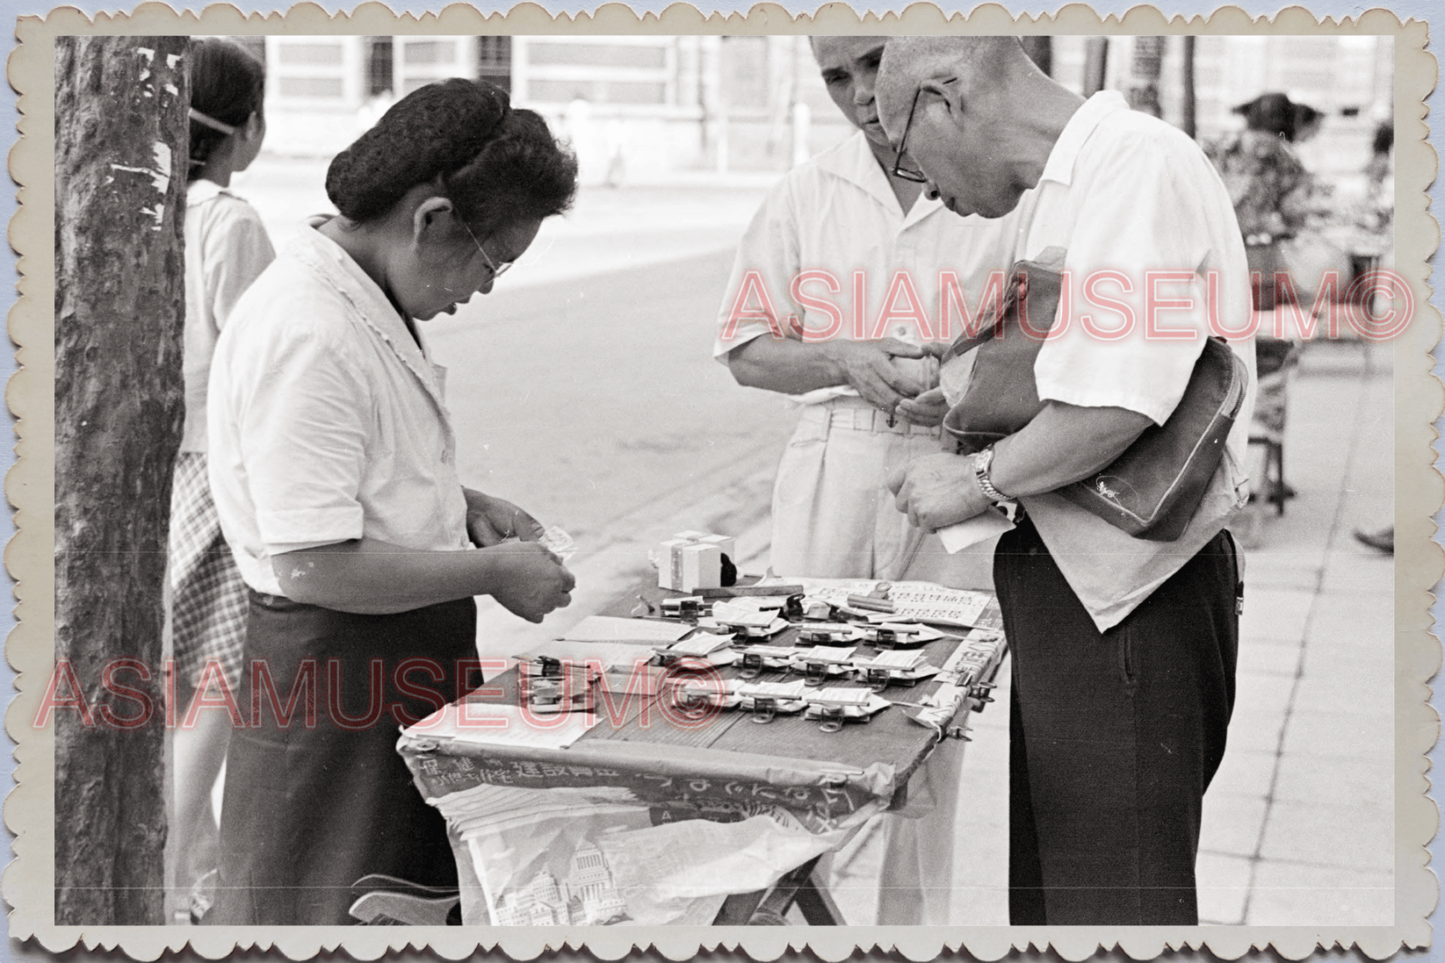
x=797, y=887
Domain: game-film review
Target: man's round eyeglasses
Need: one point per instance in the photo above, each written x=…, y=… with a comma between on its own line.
x=497, y=269
x=908, y=173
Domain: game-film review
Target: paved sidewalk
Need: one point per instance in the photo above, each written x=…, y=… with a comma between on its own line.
x=1299, y=824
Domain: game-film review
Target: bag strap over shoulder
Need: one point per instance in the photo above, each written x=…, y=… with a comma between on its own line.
x=1044, y=273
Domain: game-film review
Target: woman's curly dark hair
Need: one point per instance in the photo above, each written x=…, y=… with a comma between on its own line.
x=227, y=84
x=498, y=165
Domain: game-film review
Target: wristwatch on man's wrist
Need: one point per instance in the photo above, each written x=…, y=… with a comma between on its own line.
x=981, y=464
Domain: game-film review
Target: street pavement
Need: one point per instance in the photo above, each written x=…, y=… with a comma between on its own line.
x=584, y=390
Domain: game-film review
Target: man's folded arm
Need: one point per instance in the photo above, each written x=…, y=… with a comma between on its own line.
x=1063, y=444
x=793, y=367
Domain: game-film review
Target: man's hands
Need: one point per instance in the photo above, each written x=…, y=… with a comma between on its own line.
x=491, y=520
x=531, y=581
x=936, y=491
x=885, y=373
x=928, y=409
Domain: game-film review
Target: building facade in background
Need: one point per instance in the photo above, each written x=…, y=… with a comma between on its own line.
x=642, y=108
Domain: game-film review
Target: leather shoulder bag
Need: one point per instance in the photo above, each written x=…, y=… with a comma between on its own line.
x=1154, y=488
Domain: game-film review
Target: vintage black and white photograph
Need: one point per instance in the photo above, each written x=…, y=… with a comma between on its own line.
x=653, y=479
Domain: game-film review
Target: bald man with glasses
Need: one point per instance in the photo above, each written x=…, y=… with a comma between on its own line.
x=1123, y=649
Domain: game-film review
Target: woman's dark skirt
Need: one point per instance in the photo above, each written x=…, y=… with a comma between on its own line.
x=313, y=804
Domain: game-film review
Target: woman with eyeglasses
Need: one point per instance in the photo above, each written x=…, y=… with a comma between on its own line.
x=333, y=463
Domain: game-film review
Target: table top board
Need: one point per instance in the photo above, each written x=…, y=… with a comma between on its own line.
x=728, y=754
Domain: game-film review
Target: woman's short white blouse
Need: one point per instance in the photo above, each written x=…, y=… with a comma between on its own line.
x=326, y=419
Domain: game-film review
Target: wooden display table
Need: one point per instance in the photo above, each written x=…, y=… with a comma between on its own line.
x=727, y=769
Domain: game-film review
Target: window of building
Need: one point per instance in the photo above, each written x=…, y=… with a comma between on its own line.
x=494, y=61
x=379, y=63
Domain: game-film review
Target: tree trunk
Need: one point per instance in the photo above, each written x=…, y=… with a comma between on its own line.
x=1040, y=48
x=1096, y=64
x=1144, y=89
x=1189, y=122
x=120, y=172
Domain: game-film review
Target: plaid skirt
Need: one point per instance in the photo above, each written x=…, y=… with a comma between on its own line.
x=208, y=597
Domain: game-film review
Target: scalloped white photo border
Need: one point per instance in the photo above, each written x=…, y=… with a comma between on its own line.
x=28, y=880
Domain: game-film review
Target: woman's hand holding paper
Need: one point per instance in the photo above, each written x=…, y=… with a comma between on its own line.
x=530, y=581
x=492, y=520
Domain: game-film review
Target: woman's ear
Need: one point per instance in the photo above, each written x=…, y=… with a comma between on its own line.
x=428, y=221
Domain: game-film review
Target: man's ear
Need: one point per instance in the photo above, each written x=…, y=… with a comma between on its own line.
x=428, y=220
x=950, y=93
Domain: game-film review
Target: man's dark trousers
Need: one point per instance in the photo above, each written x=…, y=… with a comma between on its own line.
x=1114, y=737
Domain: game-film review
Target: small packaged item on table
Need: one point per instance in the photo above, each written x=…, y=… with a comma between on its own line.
x=899, y=635
x=550, y=685
x=693, y=560
x=833, y=633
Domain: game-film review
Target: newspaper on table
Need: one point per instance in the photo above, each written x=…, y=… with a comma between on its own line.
x=595, y=858
x=918, y=601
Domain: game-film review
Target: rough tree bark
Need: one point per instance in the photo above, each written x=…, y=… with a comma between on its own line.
x=120, y=171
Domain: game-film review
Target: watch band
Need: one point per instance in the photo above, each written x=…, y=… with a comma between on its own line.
x=981, y=463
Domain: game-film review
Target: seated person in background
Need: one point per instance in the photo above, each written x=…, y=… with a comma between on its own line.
x=868, y=391
x=1123, y=649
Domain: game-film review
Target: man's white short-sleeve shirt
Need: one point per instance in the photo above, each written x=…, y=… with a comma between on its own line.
x=1148, y=232
x=327, y=421
x=836, y=219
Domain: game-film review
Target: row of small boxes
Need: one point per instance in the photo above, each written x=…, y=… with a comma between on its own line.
x=692, y=560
